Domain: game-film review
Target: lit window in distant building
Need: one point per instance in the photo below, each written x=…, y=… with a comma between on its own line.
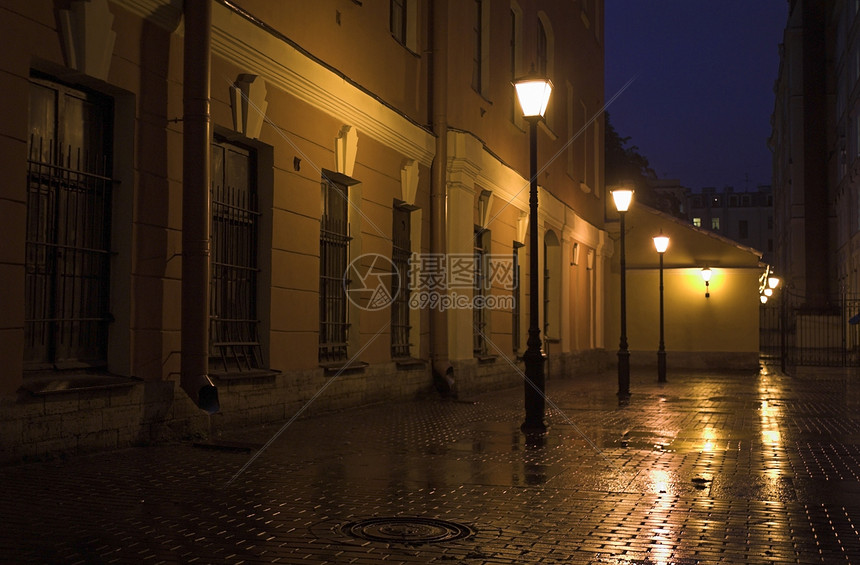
x=697, y=222
x=715, y=223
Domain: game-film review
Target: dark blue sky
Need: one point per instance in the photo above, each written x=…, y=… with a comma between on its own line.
x=700, y=107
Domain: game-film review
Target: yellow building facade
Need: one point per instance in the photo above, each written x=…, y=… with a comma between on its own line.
x=353, y=154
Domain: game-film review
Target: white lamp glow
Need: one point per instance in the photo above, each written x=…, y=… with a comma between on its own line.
x=772, y=282
x=622, y=198
x=661, y=243
x=533, y=94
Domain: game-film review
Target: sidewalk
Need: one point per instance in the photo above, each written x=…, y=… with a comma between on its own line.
x=707, y=468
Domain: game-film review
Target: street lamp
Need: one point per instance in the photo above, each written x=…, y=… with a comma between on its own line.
x=706, y=276
x=622, y=198
x=661, y=243
x=533, y=94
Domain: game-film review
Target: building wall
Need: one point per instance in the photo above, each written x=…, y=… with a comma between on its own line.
x=805, y=147
x=729, y=208
x=314, y=102
x=717, y=331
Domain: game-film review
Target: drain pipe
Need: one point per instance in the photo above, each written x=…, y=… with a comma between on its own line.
x=440, y=365
x=194, y=368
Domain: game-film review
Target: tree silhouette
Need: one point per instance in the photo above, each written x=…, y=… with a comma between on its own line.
x=625, y=166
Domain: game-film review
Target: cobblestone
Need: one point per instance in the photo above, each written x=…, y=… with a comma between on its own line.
x=708, y=468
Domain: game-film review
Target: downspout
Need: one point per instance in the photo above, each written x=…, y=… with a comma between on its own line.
x=440, y=365
x=194, y=368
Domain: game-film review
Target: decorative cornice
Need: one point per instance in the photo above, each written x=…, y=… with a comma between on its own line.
x=285, y=67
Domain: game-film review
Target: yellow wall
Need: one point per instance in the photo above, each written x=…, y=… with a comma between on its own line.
x=725, y=321
x=721, y=330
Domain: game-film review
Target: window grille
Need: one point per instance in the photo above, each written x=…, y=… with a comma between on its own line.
x=479, y=313
x=334, y=254
x=234, y=345
x=516, y=312
x=401, y=251
x=67, y=249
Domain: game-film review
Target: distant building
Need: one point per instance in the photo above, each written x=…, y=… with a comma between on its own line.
x=815, y=144
x=670, y=196
x=745, y=217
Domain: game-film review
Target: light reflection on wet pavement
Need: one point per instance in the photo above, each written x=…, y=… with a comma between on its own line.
x=708, y=468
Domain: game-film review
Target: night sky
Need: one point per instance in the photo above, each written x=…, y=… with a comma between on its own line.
x=700, y=106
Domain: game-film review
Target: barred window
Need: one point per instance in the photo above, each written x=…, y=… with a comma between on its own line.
x=480, y=291
x=515, y=291
x=234, y=344
x=68, y=248
x=334, y=255
x=401, y=251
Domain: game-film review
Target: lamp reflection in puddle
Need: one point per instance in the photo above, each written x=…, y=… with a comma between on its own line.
x=662, y=534
x=708, y=436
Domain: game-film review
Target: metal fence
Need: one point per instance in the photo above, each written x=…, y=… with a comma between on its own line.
x=799, y=335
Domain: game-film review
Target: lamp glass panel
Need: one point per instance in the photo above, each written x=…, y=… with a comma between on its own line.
x=706, y=274
x=772, y=282
x=622, y=198
x=661, y=243
x=533, y=95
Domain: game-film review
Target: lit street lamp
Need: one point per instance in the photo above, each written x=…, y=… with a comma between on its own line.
x=622, y=198
x=533, y=94
x=661, y=243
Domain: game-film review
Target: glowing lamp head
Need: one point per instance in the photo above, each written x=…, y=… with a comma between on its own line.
x=763, y=298
x=533, y=94
x=661, y=243
x=622, y=197
x=706, y=274
x=772, y=282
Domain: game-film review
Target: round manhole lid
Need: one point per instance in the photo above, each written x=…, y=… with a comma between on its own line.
x=413, y=530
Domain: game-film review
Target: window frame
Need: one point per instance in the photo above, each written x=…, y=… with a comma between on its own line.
x=56, y=301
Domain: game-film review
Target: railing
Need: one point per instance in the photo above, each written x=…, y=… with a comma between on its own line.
x=801, y=335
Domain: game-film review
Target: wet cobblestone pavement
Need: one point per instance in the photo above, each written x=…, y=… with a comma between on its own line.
x=708, y=468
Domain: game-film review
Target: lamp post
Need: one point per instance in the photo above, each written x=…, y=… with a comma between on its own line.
x=661, y=243
x=533, y=94
x=622, y=198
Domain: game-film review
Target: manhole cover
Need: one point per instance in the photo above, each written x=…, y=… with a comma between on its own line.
x=406, y=530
